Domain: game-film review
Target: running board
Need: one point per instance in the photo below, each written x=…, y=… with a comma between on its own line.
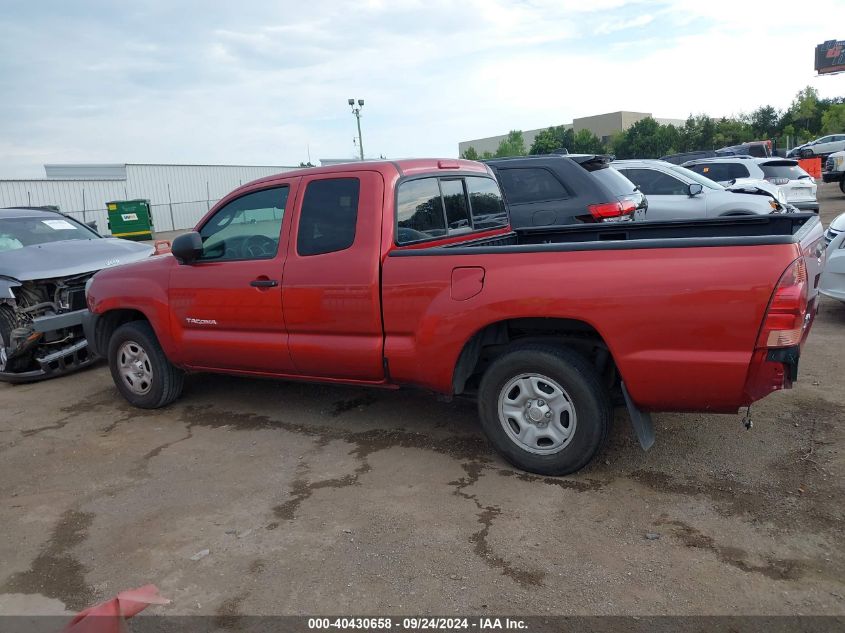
x=640, y=420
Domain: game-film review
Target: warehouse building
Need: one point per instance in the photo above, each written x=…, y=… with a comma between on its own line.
x=179, y=195
x=602, y=125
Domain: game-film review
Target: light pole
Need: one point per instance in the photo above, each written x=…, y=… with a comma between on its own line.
x=357, y=112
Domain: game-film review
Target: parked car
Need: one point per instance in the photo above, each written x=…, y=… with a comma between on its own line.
x=559, y=189
x=391, y=279
x=751, y=148
x=820, y=147
x=45, y=260
x=674, y=192
x=836, y=227
x=798, y=186
x=832, y=282
x=834, y=169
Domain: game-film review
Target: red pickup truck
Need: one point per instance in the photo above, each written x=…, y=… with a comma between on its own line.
x=407, y=273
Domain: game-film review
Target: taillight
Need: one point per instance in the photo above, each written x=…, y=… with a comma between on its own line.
x=612, y=209
x=783, y=324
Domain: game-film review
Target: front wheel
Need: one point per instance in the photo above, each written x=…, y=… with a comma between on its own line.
x=140, y=369
x=544, y=409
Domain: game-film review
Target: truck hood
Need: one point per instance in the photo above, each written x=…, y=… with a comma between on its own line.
x=69, y=257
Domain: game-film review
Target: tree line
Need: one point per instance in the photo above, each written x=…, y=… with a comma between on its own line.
x=806, y=118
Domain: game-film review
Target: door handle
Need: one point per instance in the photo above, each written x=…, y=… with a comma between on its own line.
x=263, y=283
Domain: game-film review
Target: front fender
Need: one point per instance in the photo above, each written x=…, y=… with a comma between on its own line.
x=142, y=287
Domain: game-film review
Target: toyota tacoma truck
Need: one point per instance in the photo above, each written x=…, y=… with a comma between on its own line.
x=408, y=274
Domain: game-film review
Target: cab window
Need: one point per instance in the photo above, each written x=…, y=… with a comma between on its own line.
x=329, y=216
x=246, y=228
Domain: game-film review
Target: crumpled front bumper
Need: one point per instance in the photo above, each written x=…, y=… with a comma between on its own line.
x=65, y=359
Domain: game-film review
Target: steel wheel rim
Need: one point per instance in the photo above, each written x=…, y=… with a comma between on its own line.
x=537, y=414
x=135, y=368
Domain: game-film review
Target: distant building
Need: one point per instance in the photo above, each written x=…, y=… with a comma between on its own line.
x=179, y=195
x=602, y=125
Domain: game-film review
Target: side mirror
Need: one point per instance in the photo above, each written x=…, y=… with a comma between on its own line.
x=187, y=247
x=694, y=188
x=92, y=225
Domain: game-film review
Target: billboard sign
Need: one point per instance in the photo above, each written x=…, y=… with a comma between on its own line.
x=830, y=57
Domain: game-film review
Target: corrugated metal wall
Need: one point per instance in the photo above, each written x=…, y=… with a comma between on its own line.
x=179, y=194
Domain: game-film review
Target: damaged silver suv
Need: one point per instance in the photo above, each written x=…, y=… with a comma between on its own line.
x=45, y=260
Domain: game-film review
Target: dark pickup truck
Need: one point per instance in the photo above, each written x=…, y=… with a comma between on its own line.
x=408, y=273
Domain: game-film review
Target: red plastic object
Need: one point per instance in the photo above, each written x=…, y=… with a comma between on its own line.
x=109, y=616
x=812, y=166
x=162, y=247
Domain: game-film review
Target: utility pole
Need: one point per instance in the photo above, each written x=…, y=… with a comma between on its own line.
x=357, y=112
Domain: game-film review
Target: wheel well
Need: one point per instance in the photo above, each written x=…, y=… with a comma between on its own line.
x=494, y=340
x=110, y=321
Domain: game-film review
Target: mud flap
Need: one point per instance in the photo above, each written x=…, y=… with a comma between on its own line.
x=640, y=420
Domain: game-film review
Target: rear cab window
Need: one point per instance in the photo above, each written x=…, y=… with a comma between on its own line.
x=434, y=207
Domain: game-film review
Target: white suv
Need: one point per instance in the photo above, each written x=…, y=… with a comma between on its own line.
x=797, y=185
x=676, y=193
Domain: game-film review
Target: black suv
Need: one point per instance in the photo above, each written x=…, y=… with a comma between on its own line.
x=557, y=189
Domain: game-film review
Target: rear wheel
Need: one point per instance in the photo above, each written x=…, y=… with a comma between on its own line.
x=140, y=369
x=544, y=408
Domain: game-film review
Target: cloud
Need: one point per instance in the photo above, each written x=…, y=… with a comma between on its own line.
x=263, y=82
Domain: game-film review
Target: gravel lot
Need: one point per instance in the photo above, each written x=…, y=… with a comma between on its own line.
x=314, y=499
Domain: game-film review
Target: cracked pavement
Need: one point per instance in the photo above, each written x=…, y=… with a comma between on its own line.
x=323, y=500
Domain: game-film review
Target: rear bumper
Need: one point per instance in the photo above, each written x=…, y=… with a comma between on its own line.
x=775, y=369
x=810, y=205
x=832, y=176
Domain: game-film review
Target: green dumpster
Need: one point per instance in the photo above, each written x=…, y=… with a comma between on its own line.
x=130, y=219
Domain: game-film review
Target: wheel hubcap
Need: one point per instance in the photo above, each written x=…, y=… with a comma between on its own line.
x=135, y=368
x=537, y=413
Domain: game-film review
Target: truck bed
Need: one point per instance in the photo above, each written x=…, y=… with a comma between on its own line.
x=679, y=303
x=731, y=231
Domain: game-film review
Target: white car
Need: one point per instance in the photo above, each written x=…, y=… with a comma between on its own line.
x=820, y=147
x=797, y=185
x=676, y=193
x=832, y=282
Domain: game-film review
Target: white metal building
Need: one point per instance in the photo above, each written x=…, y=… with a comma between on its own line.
x=179, y=194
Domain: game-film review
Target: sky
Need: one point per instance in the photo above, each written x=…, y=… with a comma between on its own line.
x=267, y=83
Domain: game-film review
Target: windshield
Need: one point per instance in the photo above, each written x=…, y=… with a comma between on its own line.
x=688, y=173
x=16, y=233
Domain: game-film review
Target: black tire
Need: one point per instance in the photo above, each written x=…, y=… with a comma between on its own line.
x=806, y=153
x=165, y=380
x=842, y=185
x=584, y=390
